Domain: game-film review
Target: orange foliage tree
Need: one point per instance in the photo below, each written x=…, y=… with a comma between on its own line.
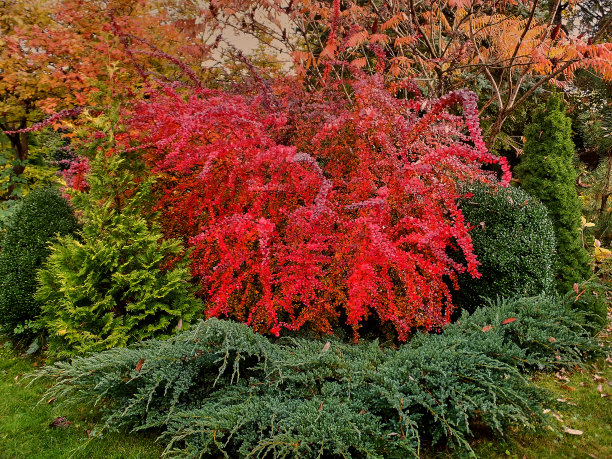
x=55, y=55
x=503, y=49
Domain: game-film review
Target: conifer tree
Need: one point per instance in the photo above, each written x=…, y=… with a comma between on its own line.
x=546, y=171
x=121, y=281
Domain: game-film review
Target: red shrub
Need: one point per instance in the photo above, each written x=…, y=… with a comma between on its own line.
x=309, y=209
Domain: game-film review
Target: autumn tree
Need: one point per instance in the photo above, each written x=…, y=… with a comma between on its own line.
x=55, y=55
x=506, y=50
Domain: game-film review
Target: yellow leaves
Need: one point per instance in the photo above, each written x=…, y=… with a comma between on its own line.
x=601, y=254
x=585, y=224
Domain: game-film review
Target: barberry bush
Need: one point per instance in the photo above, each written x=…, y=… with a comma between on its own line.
x=315, y=209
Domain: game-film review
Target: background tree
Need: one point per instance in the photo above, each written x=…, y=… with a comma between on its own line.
x=55, y=55
x=506, y=51
x=547, y=172
x=590, y=16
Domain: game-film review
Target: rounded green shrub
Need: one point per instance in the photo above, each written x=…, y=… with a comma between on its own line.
x=514, y=241
x=43, y=215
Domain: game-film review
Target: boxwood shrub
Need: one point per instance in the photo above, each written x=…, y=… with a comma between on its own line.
x=514, y=241
x=43, y=215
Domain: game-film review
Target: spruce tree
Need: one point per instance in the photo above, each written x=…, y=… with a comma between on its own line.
x=546, y=171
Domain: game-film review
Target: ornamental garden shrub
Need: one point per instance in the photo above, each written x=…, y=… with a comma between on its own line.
x=546, y=171
x=219, y=388
x=120, y=281
x=514, y=241
x=42, y=216
x=316, y=209
x=589, y=298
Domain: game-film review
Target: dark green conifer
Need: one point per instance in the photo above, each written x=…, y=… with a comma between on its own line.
x=546, y=171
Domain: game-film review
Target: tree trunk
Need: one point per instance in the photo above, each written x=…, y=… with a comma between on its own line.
x=605, y=194
x=19, y=142
x=495, y=129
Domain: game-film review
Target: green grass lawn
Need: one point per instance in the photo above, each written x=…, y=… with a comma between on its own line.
x=25, y=430
x=586, y=411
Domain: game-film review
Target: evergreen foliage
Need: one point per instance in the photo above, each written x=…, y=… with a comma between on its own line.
x=546, y=171
x=221, y=389
x=42, y=215
x=120, y=282
x=514, y=241
x=590, y=299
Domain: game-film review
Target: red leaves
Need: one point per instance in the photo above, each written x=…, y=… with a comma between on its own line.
x=60, y=422
x=309, y=206
x=508, y=321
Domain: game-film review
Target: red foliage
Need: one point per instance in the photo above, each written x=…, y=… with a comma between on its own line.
x=309, y=209
x=75, y=175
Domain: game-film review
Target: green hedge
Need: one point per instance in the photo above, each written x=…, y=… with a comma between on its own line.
x=42, y=216
x=514, y=241
x=220, y=389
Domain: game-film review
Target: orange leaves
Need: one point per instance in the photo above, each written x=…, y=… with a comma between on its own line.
x=357, y=39
x=394, y=21
x=401, y=41
x=60, y=52
x=487, y=328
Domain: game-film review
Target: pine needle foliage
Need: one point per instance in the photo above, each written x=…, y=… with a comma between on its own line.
x=514, y=240
x=219, y=389
x=546, y=171
x=42, y=216
x=120, y=281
